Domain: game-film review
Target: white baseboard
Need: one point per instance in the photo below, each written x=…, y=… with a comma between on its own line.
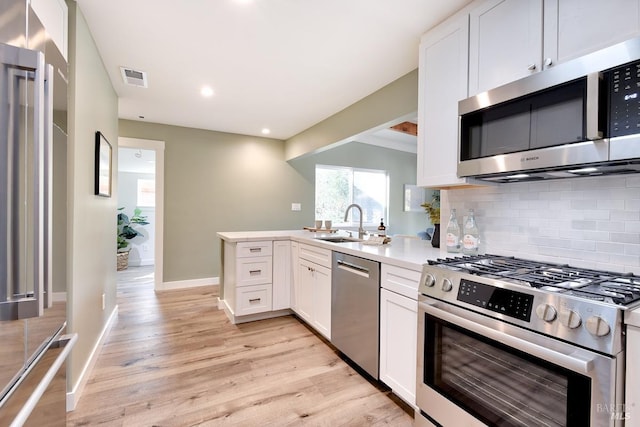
x=222, y=305
x=183, y=284
x=59, y=296
x=74, y=395
x=141, y=262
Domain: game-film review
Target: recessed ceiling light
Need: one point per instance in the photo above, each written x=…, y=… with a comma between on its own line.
x=266, y=131
x=206, y=91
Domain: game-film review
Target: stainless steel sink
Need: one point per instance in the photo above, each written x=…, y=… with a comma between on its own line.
x=338, y=239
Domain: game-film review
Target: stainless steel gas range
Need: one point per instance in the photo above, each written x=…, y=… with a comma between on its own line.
x=510, y=342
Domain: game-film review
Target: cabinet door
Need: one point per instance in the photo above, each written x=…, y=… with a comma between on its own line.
x=322, y=300
x=304, y=290
x=253, y=271
x=281, y=275
x=505, y=42
x=573, y=28
x=398, y=338
x=442, y=83
x=632, y=395
x=253, y=299
x=54, y=16
x=294, y=274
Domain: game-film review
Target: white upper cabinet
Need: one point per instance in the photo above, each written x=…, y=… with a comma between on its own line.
x=494, y=42
x=573, y=28
x=442, y=83
x=54, y=16
x=505, y=42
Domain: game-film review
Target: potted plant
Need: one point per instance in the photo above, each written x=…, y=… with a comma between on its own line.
x=126, y=232
x=433, y=209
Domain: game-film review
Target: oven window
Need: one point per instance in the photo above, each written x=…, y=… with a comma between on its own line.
x=500, y=385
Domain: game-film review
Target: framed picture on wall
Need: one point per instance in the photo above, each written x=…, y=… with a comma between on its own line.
x=103, y=166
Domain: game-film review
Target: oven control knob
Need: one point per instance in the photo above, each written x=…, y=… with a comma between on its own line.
x=447, y=285
x=429, y=280
x=546, y=312
x=597, y=326
x=570, y=319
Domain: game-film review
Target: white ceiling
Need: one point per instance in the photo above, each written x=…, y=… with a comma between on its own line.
x=136, y=160
x=279, y=64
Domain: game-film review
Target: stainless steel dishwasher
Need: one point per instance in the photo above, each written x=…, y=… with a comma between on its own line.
x=355, y=307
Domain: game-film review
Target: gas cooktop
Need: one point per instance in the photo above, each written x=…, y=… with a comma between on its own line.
x=614, y=288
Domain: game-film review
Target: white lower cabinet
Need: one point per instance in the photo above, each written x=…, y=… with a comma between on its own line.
x=253, y=299
x=282, y=274
x=313, y=288
x=632, y=394
x=257, y=280
x=398, y=330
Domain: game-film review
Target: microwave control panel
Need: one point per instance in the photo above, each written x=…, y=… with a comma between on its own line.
x=624, y=92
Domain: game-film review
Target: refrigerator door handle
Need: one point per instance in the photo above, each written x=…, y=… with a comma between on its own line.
x=47, y=183
x=22, y=293
x=66, y=342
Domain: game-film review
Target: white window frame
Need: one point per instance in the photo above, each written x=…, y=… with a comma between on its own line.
x=371, y=220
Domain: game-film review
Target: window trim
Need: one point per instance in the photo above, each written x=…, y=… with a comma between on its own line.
x=354, y=224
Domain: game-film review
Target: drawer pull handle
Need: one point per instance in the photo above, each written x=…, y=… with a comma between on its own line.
x=255, y=249
x=253, y=300
x=255, y=271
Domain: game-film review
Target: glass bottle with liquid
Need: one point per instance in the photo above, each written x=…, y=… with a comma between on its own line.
x=382, y=230
x=471, y=235
x=453, y=233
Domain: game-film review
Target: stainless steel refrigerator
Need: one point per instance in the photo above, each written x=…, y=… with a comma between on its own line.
x=33, y=340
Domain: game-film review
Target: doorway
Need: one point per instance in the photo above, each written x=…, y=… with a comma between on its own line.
x=141, y=169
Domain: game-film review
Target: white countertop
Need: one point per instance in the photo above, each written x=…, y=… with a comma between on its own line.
x=403, y=252
x=632, y=317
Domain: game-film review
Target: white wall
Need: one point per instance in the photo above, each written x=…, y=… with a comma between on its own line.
x=586, y=222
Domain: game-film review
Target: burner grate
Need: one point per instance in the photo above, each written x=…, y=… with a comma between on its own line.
x=616, y=288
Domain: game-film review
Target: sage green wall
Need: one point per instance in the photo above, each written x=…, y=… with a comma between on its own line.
x=218, y=181
x=397, y=101
x=91, y=261
x=400, y=165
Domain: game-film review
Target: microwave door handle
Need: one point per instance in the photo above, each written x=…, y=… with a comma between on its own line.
x=575, y=361
x=593, y=106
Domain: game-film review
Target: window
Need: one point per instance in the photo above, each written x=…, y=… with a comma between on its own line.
x=337, y=187
x=146, y=192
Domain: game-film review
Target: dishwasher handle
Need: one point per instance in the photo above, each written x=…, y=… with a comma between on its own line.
x=353, y=268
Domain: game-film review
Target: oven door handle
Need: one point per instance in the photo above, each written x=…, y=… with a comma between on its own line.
x=577, y=361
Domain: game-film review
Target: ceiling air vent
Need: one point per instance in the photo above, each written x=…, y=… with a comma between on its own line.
x=134, y=77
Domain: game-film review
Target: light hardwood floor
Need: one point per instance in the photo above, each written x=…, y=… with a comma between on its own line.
x=174, y=359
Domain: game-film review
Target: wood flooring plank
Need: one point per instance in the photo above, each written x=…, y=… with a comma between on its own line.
x=173, y=359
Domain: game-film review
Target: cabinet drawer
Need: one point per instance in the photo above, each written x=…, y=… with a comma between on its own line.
x=254, y=271
x=315, y=254
x=252, y=249
x=400, y=280
x=253, y=299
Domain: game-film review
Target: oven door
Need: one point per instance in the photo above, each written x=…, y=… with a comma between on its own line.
x=477, y=371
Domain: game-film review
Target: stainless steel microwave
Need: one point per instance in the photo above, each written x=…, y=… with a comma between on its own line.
x=580, y=118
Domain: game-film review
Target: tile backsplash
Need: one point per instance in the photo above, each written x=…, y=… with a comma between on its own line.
x=585, y=222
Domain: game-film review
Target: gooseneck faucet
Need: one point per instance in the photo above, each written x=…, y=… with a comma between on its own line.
x=346, y=216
